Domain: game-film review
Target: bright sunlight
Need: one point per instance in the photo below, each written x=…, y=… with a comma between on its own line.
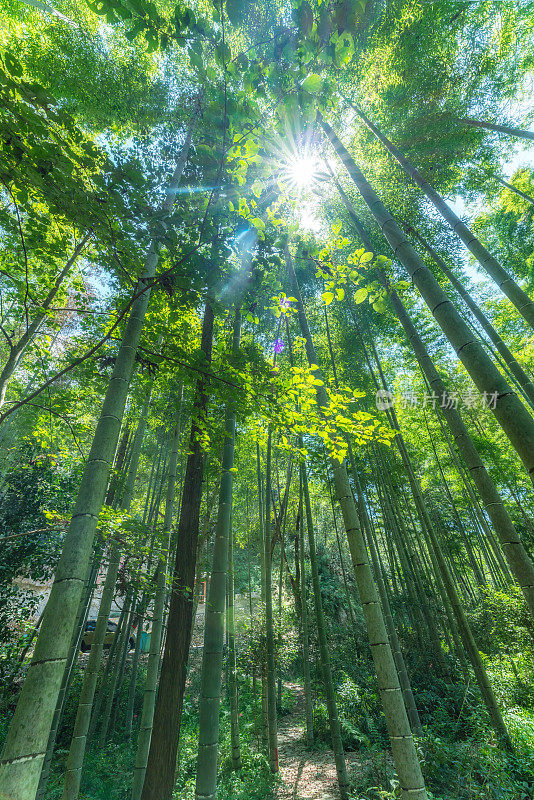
x=302, y=172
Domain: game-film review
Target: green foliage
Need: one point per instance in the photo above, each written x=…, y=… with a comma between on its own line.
x=501, y=621
x=93, y=118
x=288, y=704
x=255, y=781
x=474, y=771
x=33, y=544
x=352, y=738
x=505, y=225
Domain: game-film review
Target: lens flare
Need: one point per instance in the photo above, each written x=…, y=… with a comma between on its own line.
x=301, y=172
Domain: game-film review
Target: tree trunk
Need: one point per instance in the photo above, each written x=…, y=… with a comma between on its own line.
x=509, y=411
x=161, y=764
x=463, y=625
x=26, y=741
x=402, y=744
x=110, y=718
x=515, y=368
x=279, y=637
x=470, y=645
x=73, y=771
x=516, y=295
x=269, y=631
x=69, y=670
x=479, y=576
x=151, y=680
x=516, y=556
x=74, y=766
x=212, y=654
x=232, y=665
x=326, y=669
x=510, y=542
x=263, y=675
x=304, y=627
x=515, y=190
x=409, y=701
x=140, y=612
x=491, y=126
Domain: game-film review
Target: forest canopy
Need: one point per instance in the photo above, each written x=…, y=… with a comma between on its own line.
x=266, y=399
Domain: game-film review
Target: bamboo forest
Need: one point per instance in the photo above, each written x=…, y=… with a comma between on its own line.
x=267, y=400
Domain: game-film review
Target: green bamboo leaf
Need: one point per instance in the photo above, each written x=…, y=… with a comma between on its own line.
x=13, y=65
x=222, y=53
x=312, y=83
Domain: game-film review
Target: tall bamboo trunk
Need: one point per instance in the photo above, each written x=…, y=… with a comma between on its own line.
x=510, y=130
x=409, y=701
x=516, y=556
x=464, y=628
x=116, y=674
x=469, y=643
x=161, y=763
x=515, y=190
x=232, y=660
x=303, y=607
x=212, y=654
x=342, y=565
x=279, y=637
x=522, y=302
x=402, y=744
x=347, y=593
x=515, y=368
x=263, y=671
x=326, y=669
x=406, y=577
x=73, y=771
x=69, y=670
x=110, y=710
x=74, y=766
x=26, y=741
x=270, y=678
x=474, y=502
x=514, y=419
x=143, y=604
x=133, y=467
x=450, y=629
x=151, y=680
x=108, y=672
x=477, y=570
x=140, y=612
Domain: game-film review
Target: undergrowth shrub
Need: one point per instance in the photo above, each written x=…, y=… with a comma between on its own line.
x=352, y=738
x=475, y=771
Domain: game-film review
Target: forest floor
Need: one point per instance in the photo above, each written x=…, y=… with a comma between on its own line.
x=306, y=774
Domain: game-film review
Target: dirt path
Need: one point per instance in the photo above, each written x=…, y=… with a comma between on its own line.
x=305, y=774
